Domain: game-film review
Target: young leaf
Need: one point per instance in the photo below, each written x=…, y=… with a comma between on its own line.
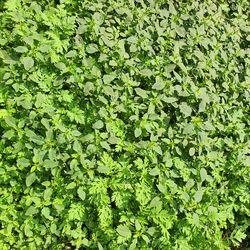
x=71, y=185
x=107, y=79
x=28, y=63
x=138, y=132
x=198, y=195
x=203, y=174
x=21, y=49
x=191, y=151
x=98, y=125
x=141, y=92
x=146, y=72
x=46, y=213
x=124, y=231
x=31, y=211
x=169, y=99
x=156, y=202
x=105, y=145
x=92, y=48
x=185, y=109
x=30, y=179
x=103, y=169
x=154, y=171
x=81, y=193
x=159, y=85
x=196, y=219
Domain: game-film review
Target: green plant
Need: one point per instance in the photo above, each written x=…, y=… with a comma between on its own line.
x=124, y=124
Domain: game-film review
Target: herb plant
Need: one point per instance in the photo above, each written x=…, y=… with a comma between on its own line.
x=124, y=124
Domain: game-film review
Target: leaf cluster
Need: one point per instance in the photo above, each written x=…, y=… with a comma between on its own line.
x=124, y=124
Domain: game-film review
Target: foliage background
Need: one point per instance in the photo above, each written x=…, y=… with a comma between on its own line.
x=124, y=124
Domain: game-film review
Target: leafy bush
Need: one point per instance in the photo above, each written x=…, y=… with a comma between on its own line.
x=124, y=124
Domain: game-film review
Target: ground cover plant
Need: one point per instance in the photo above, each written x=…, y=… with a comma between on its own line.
x=124, y=124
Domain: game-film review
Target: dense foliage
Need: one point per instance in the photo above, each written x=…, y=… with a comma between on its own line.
x=125, y=124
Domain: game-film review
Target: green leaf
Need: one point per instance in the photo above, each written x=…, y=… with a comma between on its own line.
x=145, y=238
x=138, y=132
x=203, y=174
x=9, y=134
x=27, y=230
x=53, y=228
x=146, y=72
x=103, y=169
x=47, y=193
x=81, y=193
x=23, y=162
x=151, y=231
x=124, y=231
x=34, y=138
x=21, y=49
x=71, y=185
x=208, y=126
x=188, y=129
x=98, y=125
x=11, y=121
x=191, y=151
x=162, y=188
x=100, y=246
x=107, y=79
x=88, y=87
x=28, y=63
x=133, y=244
x=46, y=213
x=105, y=145
x=44, y=48
x=113, y=140
x=156, y=202
x=202, y=106
x=159, y=85
x=77, y=146
x=196, y=219
x=169, y=99
x=31, y=211
x=71, y=53
x=137, y=225
x=76, y=133
x=91, y=48
x=180, y=31
x=185, y=109
x=186, y=196
x=142, y=93
x=154, y=171
x=30, y=179
x=61, y=66
x=190, y=183
x=198, y=195
x=157, y=149
x=170, y=67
